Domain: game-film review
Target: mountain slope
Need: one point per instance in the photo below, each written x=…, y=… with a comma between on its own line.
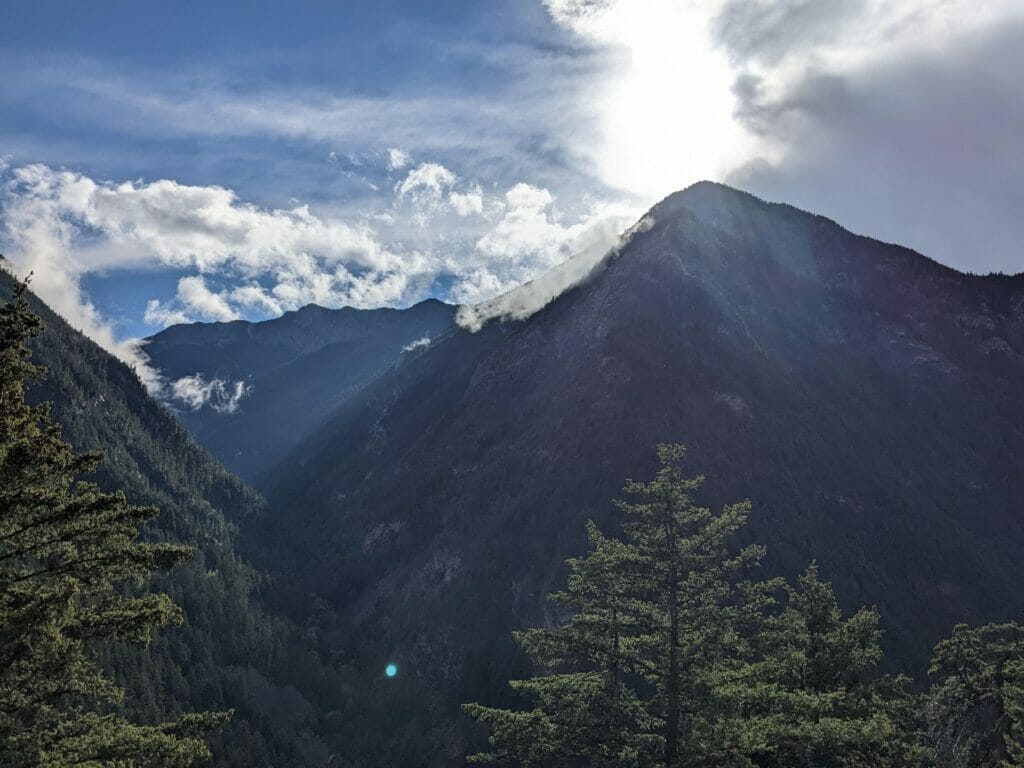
x=231, y=652
x=864, y=397
x=270, y=384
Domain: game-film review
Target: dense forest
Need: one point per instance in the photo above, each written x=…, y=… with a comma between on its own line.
x=231, y=653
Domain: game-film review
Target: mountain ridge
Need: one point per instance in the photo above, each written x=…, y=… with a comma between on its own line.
x=276, y=379
x=691, y=195
x=864, y=399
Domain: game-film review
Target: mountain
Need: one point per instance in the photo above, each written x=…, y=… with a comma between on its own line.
x=232, y=652
x=249, y=392
x=865, y=398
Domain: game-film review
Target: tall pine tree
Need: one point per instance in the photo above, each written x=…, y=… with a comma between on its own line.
x=707, y=613
x=70, y=570
x=661, y=630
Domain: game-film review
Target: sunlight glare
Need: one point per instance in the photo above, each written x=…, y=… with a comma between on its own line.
x=668, y=118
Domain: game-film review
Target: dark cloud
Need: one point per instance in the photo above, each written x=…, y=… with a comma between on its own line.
x=764, y=31
x=925, y=150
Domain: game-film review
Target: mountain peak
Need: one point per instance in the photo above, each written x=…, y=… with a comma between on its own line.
x=712, y=202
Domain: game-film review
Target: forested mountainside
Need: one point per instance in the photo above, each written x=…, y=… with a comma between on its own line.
x=250, y=392
x=231, y=652
x=865, y=398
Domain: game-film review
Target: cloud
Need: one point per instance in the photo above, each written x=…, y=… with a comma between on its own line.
x=524, y=300
x=64, y=225
x=158, y=314
x=397, y=159
x=446, y=120
x=897, y=118
x=532, y=244
x=195, y=392
x=420, y=343
x=194, y=294
x=531, y=230
x=621, y=101
x=426, y=182
x=236, y=259
x=467, y=203
x=428, y=186
x=39, y=241
x=529, y=238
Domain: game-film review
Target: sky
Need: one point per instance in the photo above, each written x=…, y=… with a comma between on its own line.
x=196, y=161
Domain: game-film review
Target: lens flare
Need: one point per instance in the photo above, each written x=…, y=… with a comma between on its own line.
x=391, y=670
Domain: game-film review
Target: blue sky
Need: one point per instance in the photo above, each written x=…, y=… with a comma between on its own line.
x=164, y=162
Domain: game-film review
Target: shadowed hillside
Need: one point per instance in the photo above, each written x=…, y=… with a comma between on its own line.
x=286, y=375
x=231, y=652
x=864, y=397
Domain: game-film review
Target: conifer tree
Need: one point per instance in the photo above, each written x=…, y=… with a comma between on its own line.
x=706, y=613
x=819, y=700
x=661, y=630
x=586, y=712
x=70, y=568
x=975, y=707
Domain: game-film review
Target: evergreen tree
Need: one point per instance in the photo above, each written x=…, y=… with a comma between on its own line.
x=819, y=700
x=660, y=632
x=586, y=711
x=707, y=616
x=975, y=708
x=70, y=565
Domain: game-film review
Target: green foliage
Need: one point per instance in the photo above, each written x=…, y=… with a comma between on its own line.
x=818, y=699
x=233, y=652
x=590, y=717
x=67, y=552
x=975, y=708
x=674, y=655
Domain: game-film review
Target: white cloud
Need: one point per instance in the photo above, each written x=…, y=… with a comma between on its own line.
x=64, y=225
x=529, y=238
x=526, y=299
x=812, y=103
x=236, y=259
x=194, y=294
x=194, y=392
x=653, y=95
x=255, y=297
x=467, y=203
x=40, y=238
x=423, y=341
x=397, y=159
x=426, y=182
x=158, y=314
x=674, y=112
x=532, y=232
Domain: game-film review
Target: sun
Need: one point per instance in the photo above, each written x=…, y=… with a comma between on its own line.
x=667, y=114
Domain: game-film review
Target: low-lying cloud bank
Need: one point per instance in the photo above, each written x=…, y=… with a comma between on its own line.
x=237, y=259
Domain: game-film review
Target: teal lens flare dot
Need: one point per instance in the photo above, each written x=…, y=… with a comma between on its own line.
x=390, y=670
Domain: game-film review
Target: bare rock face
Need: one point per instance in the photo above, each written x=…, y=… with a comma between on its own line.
x=866, y=399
